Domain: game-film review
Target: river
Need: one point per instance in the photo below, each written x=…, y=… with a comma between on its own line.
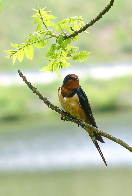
x=39, y=77
x=66, y=146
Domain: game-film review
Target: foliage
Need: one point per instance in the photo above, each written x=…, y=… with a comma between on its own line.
x=60, y=50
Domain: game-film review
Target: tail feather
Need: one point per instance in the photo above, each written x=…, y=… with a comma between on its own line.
x=98, y=137
x=98, y=148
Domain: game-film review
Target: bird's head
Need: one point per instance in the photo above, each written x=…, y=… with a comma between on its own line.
x=71, y=82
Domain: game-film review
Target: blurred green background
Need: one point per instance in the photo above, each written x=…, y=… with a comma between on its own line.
x=24, y=118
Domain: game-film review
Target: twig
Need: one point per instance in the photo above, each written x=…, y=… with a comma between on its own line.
x=42, y=20
x=70, y=118
x=107, y=8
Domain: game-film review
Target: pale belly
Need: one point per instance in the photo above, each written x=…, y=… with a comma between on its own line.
x=72, y=106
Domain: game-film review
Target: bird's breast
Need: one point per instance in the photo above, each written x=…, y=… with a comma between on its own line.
x=72, y=105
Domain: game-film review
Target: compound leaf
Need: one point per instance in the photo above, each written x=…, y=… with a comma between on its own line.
x=81, y=56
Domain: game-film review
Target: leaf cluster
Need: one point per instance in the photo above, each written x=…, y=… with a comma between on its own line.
x=60, y=50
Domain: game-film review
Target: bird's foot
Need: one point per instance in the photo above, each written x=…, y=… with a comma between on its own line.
x=64, y=118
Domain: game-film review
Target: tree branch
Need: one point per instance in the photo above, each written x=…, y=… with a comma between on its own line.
x=86, y=26
x=70, y=118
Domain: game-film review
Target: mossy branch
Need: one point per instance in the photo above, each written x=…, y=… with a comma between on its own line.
x=70, y=118
x=86, y=26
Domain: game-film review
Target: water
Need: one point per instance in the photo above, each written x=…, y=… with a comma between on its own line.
x=65, y=147
x=40, y=77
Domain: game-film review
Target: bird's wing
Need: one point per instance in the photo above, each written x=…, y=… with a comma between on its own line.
x=86, y=106
x=88, y=111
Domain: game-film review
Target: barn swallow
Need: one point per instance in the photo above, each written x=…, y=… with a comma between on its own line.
x=75, y=102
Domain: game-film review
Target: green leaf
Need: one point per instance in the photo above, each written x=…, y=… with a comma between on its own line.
x=35, y=10
x=39, y=27
x=51, y=50
x=52, y=66
x=29, y=52
x=67, y=41
x=65, y=63
x=81, y=56
x=71, y=49
x=41, y=44
x=60, y=39
x=37, y=20
x=77, y=38
x=36, y=15
x=46, y=68
x=45, y=16
x=76, y=26
x=64, y=26
x=17, y=46
x=20, y=54
x=70, y=30
x=51, y=24
x=10, y=53
x=56, y=65
x=15, y=57
x=80, y=18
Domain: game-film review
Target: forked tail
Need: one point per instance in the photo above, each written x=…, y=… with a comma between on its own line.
x=98, y=148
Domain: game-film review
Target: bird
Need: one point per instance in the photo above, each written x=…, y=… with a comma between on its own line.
x=74, y=101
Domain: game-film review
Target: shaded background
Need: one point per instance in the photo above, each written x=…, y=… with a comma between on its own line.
x=41, y=155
